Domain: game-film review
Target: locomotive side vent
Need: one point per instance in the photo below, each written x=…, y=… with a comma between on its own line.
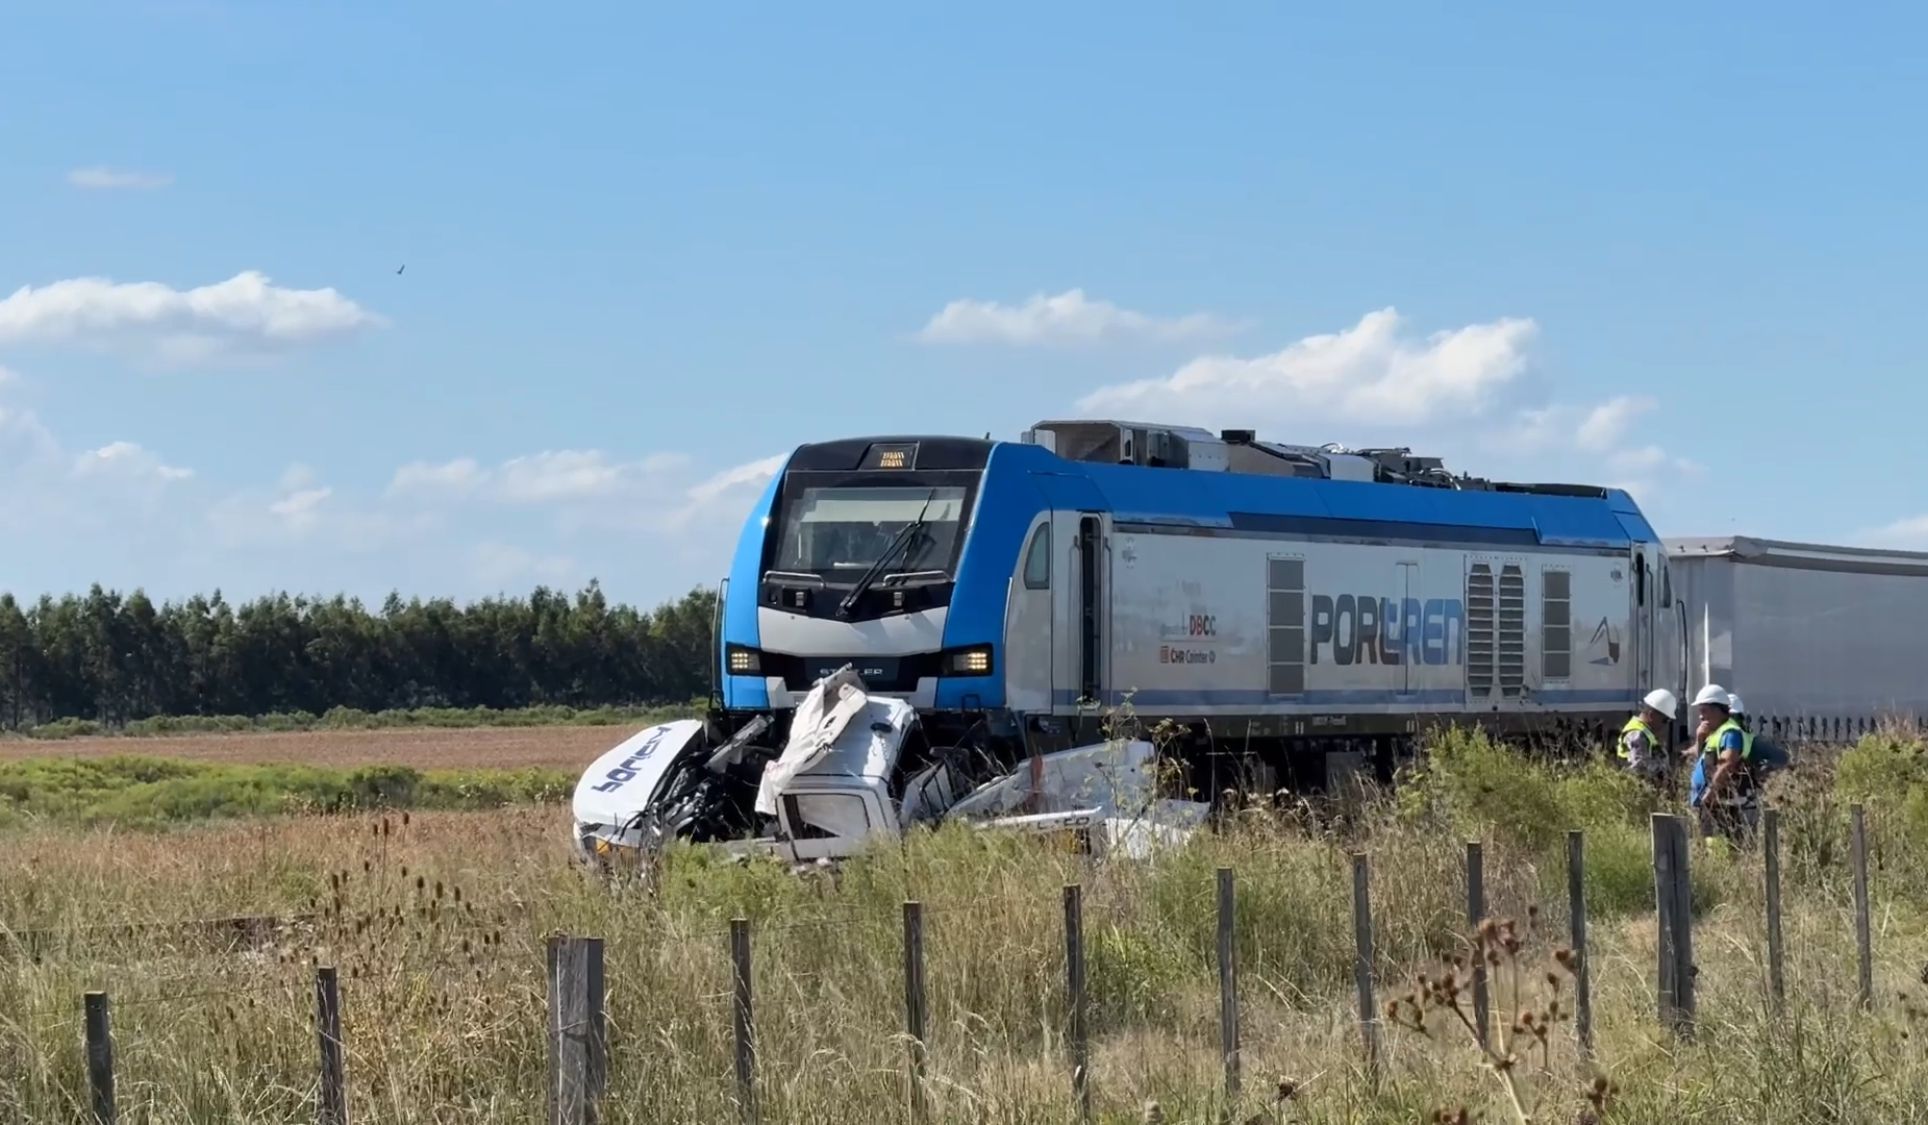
x=1512, y=630
x=1479, y=630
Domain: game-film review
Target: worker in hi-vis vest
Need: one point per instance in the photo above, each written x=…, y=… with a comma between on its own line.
x=1640, y=747
x=1724, y=789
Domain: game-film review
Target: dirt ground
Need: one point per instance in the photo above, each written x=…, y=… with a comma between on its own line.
x=424, y=748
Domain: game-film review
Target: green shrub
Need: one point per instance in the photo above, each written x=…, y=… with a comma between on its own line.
x=1483, y=788
x=1619, y=871
x=65, y=728
x=383, y=786
x=1600, y=794
x=143, y=791
x=1136, y=977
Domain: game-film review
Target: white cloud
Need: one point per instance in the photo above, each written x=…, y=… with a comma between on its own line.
x=719, y=502
x=498, y=565
x=128, y=460
x=569, y=474
x=300, y=509
x=293, y=511
x=604, y=507
x=296, y=477
x=1640, y=459
x=1538, y=428
x=24, y=439
x=459, y=477
x=245, y=316
x=8, y=377
x=110, y=179
x=302, y=512
x=1910, y=534
x=57, y=494
x=1068, y=317
x=748, y=477
x=1602, y=433
x=1607, y=423
x=1370, y=373
x=550, y=477
x=648, y=525
x=1455, y=394
x=1592, y=444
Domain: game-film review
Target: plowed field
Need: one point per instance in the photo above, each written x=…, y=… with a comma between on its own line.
x=423, y=748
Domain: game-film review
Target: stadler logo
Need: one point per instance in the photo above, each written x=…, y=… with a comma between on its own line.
x=1604, y=648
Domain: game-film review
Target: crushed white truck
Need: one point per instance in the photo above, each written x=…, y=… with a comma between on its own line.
x=857, y=769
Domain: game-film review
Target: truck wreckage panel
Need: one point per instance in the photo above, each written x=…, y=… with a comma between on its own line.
x=857, y=768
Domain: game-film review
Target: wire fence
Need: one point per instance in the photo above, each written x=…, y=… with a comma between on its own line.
x=577, y=1038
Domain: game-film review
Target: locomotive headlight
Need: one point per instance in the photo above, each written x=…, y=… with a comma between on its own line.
x=973, y=661
x=744, y=661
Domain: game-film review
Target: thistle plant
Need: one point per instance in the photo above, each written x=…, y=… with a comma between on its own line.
x=1517, y=1051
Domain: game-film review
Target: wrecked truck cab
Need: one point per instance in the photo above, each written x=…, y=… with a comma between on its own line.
x=838, y=783
x=841, y=777
x=665, y=782
x=613, y=793
x=853, y=769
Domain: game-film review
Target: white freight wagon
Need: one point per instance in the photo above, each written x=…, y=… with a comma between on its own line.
x=1819, y=641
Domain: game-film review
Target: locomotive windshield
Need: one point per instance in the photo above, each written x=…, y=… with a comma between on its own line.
x=839, y=532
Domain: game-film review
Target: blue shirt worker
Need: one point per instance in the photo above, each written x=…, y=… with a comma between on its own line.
x=1724, y=789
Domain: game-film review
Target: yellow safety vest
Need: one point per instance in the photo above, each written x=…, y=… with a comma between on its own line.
x=1634, y=724
x=1712, y=745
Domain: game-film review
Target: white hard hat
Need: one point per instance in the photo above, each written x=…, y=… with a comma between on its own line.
x=1715, y=694
x=1661, y=700
x=1734, y=704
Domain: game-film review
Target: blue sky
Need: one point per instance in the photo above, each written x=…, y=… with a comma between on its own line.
x=649, y=250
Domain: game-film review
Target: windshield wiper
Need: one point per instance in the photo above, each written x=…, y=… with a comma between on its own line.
x=896, y=544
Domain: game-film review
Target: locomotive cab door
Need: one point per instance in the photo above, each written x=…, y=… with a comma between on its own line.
x=1030, y=623
x=1645, y=600
x=1659, y=660
x=1079, y=590
x=1090, y=549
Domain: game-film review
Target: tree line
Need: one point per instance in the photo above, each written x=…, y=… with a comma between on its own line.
x=111, y=658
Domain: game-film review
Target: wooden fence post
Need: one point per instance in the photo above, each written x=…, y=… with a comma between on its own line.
x=333, y=1103
x=914, y=1003
x=1673, y=902
x=741, y=1019
x=100, y=1058
x=1228, y=988
x=577, y=1047
x=1577, y=912
x=1074, y=974
x=1771, y=847
x=1475, y=914
x=1362, y=966
x=1863, y=938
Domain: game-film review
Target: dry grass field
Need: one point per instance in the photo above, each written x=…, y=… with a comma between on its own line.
x=557, y=747
x=437, y=921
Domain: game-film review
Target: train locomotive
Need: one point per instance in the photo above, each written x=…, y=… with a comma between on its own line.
x=942, y=611
x=918, y=627
x=1294, y=613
